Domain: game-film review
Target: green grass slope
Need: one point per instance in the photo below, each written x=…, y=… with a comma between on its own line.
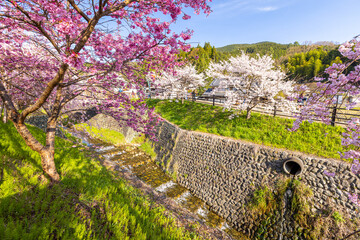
x=117, y=138
x=315, y=138
x=89, y=203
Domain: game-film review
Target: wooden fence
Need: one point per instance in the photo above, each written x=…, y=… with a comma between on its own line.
x=339, y=116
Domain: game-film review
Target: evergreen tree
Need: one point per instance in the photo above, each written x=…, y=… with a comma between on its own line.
x=202, y=56
x=308, y=65
x=317, y=67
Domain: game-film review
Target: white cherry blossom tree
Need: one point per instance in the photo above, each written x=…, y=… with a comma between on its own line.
x=252, y=81
x=179, y=81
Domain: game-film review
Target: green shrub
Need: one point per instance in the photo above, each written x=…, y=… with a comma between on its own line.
x=338, y=217
x=263, y=201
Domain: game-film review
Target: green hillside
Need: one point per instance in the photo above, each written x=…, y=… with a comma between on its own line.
x=270, y=48
x=300, y=62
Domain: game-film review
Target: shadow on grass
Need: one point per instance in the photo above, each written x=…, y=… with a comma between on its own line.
x=13, y=146
x=89, y=203
x=95, y=206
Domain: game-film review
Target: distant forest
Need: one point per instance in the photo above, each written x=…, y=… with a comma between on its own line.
x=270, y=48
x=301, y=62
x=202, y=56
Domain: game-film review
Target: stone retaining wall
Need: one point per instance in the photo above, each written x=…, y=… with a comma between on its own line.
x=225, y=172
x=40, y=121
x=108, y=122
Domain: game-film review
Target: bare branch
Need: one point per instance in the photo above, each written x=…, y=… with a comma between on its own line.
x=73, y=4
x=5, y=97
x=119, y=6
x=46, y=93
x=351, y=234
x=37, y=25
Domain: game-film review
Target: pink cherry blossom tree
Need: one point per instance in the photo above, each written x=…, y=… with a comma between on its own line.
x=343, y=80
x=65, y=55
x=179, y=81
x=252, y=81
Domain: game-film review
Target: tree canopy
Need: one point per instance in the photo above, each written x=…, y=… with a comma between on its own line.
x=341, y=79
x=66, y=55
x=307, y=65
x=201, y=57
x=251, y=81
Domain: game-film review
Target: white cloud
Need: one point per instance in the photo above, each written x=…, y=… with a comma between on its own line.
x=231, y=4
x=268, y=9
x=221, y=7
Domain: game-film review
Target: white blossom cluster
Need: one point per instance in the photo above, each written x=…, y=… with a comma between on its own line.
x=253, y=81
x=178, y=82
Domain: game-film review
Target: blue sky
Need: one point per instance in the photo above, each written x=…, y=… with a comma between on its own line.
x=282, y=21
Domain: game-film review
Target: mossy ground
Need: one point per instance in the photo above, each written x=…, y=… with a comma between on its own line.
x=117, y=138
x=268, y=202
x=103, y=134
x=89, y=203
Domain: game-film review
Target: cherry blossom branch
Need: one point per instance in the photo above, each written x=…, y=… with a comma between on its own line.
x=76, y=7
x=46, y=93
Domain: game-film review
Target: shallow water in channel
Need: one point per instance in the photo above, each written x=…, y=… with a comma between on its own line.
x=130, y=158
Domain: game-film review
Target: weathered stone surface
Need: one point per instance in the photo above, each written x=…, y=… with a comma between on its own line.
x=108, y=122
x=224, y=172
x=40, y=121
x=104, y=121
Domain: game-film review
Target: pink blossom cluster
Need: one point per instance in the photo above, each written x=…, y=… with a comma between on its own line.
x=355, y=168
x=329, y=174
x=343, y=80
x=354, y=198
x=105, y=46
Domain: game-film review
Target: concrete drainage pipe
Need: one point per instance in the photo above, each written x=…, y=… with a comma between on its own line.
x=293, y=166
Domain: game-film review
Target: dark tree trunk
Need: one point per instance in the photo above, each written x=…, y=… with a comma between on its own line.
x=47, y=156
x=2, y=108
x=5, y=117
x=333, y=116
x=48, y=164
x=46, y=152
x=274, y=113
x=248, y=113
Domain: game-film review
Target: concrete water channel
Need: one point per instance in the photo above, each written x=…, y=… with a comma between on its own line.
x=132, y=159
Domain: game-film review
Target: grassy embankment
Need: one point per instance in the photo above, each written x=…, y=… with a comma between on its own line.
x=89, y=203
x=316, y=138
